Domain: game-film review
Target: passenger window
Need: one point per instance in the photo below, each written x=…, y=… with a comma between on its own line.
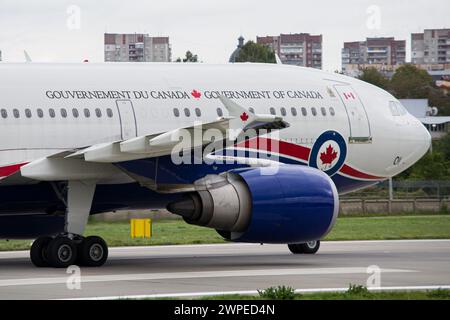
x=28, y=113
x=98, y=113
x=283, y=112
x=63, y=113
x=332, y=111
x=314, y=111
x=176, y=112
x=251, y=110
x=51, y=112
x=109, y=113
x=4, y=113
x=75, y=113
x=304, y=112
x=87, y=113
x=16, y=113
x=187, y=112
x=40, y=113
x=294, y=112
x=198, y=113
x=272, y=111
x=324, y=111
x=219, y=112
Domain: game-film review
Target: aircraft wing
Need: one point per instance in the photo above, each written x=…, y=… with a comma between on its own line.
x=96, y=162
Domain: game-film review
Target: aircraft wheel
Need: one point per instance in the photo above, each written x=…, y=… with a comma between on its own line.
x=309, y=247
x=61, y=252
x=92, y=252
x=38, y=252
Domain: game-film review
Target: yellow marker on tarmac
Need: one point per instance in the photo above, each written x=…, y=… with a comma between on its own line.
x=141, y=228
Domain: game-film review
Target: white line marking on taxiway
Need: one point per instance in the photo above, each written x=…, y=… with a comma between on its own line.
x=194, y=275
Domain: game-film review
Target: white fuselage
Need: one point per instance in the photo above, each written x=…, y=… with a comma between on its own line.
x=46, y=108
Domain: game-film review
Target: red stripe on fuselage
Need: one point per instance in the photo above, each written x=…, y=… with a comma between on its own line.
x=299, y=152
x=276, y=146
x=9, y=170
x=358, y=174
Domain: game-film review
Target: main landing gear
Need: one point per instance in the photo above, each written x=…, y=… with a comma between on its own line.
x=310, y=247
x=71, y=247
x=62, y=251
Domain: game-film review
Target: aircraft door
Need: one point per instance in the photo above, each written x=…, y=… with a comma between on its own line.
x=127, y=119
x=357, y=116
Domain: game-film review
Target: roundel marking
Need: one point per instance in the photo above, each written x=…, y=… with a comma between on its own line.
x=328, y=153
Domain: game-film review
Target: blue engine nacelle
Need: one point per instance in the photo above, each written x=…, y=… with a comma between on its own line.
x=284, y=204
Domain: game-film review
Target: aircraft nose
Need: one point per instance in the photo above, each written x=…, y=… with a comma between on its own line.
x=425, y=138
x=420, y=142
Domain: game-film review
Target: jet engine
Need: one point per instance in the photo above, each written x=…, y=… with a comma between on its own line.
x=282, y=204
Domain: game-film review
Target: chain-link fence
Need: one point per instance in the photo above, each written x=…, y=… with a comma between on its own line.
x=405, y=189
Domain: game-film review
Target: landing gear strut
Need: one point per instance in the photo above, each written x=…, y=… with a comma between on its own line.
x=71, y=247
x=310, y=247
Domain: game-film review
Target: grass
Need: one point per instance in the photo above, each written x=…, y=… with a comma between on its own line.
x=354, y=292
x=439, y=294
x=169, y=232
x=392, y=228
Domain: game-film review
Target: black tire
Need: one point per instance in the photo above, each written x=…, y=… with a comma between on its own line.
x=310, y=247
x=38, y=252
x=92, y=252
x=295, y=248
x=61, y=252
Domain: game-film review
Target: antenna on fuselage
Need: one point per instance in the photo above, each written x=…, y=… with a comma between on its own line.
x=27, y=56
x=277, y=58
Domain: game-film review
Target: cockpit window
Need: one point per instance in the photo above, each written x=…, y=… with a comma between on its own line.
x=401, y=109
x=393, y=108
x=397, y=109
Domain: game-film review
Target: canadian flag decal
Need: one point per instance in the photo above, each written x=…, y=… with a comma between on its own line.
x=196, y=94
x=328, y=156
x=244, y=116
x=349, y=95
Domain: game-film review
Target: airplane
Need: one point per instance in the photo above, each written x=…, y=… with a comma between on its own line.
x=258, y=152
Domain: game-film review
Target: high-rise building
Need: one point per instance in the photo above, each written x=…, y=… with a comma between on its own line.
x=385, y=54
x=136, y=48
x=431, y=49
x=300, y=49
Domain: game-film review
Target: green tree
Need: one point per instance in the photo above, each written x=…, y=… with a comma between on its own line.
x=434, y=165
x=373, y=76
x=443, y=145
x=189, y=57
x=437, y=98
x=255, y=52
x=431, y=167
x=410, y=82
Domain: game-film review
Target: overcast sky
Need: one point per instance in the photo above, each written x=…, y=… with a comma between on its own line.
x=50, y=32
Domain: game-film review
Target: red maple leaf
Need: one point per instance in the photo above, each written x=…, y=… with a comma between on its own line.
x=328, y=156
x=196, y=94
x=244, y=116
